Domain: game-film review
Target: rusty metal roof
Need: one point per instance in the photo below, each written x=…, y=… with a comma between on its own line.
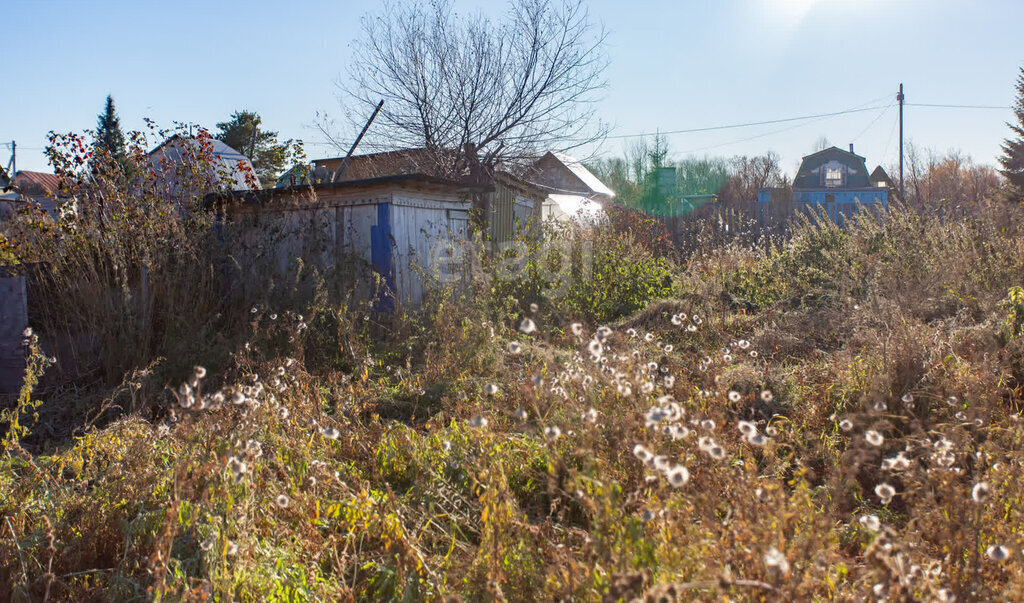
x=36, y=183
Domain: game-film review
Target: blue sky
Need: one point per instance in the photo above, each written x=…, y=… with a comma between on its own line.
x=674, y=65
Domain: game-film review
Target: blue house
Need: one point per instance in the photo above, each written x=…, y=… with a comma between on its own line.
x=831, y=181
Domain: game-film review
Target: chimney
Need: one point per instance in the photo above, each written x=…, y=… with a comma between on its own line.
x=851, y=147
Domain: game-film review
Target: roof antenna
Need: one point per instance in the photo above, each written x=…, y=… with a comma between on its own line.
x=344, y=162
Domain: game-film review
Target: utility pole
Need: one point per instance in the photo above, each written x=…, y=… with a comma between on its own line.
x=252, y=141
x=14, y=158
x=899, y=97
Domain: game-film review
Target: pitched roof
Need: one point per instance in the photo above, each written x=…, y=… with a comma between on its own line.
x=580, y=171
x=387, y=163
x=832, y=149
x=237, y=165
x=810, y=175
x=880, y=175
x=36, y=183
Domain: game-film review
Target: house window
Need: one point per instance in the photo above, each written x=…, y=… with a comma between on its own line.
x=833, y=177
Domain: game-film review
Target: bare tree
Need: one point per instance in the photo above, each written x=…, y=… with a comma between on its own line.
x=749, y=175
x=950, y=179
x=471, y=90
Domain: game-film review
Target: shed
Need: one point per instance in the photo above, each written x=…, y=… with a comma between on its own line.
x=407, y=230
x=573, y=191
x=509, y=207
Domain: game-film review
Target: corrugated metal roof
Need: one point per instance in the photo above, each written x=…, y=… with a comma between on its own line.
x=581, y=172
x=233, y=164
x=36, y=183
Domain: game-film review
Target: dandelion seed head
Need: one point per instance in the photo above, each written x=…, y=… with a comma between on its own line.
x=885, y=493
x=775, y=559
x=880, y=406
x=490, y=389
x=771, y=431
x=534, y=308
x=595, y=348
x=708, y=424
x=756, y=439
x=283, y=501
x=514, y=347
x=676, y=320
x=980, y=492
x=649, y=337
x=767, y=395
x=873, y=437
x=870, y=522
x=478, y=421
x=330, y=433
x=746, y=427
x=199, y=371
x=576, y=329
x=678, y=476
x=552, y=432
x=998, y=553
x=527, y=326
x=846, y=425
x=679, y=432
x=734, y=396
x=231, y=549
x=642, y=453
x=521, y=414
x=237, y=466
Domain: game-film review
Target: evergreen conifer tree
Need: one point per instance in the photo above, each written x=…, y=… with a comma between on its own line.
x=110, y=139
x=268, y=156
x=1013, y=148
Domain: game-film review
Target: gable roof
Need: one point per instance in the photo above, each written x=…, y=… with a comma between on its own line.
x=36, y=183
x=580, y=171
x=880, y=175
x=237, y=165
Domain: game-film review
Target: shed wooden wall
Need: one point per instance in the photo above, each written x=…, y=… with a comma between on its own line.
x=512, y=213
x=399, y=234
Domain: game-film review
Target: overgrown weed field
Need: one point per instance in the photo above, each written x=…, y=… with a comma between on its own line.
x=832, y=416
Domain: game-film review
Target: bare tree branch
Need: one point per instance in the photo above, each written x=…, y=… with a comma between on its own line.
x=511, y=89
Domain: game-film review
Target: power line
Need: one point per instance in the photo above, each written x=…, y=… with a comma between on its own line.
x=957, y=106
x=755, y=137
x=752, y=123
x=873, y=122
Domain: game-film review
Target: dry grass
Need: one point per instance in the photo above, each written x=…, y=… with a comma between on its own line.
x=855, y=433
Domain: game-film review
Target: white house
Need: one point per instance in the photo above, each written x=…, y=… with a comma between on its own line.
x=574, y=192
